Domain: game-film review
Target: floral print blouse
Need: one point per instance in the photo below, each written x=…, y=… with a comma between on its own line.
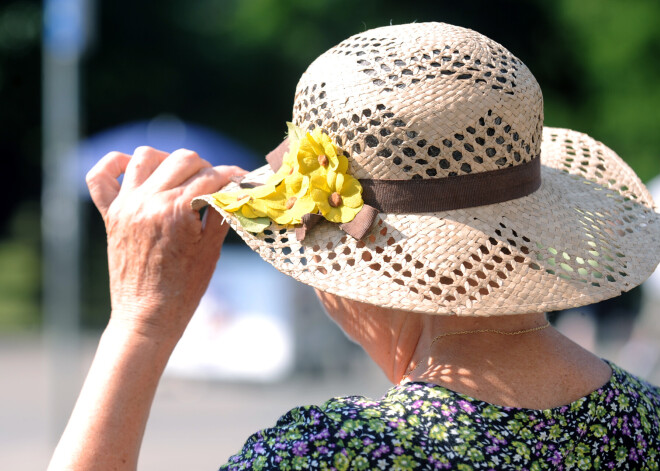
x=425, y=426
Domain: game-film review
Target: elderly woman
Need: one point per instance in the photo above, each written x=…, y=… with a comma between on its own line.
x=438, y=220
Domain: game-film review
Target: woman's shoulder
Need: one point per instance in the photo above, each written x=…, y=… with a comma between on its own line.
x=628, y=388
x=415, y=424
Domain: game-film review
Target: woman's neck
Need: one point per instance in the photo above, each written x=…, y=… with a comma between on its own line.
x=536, y=369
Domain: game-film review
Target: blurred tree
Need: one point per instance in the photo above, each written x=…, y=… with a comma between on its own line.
x=618, y=45
x=20, y=98
x=20, y=138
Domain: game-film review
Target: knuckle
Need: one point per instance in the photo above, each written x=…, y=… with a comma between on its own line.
x=144, y=151
x=188, y=156
x=185, y=151
x=98, y=169
x=112, y=155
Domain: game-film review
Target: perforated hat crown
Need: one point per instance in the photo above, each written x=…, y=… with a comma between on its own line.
x=435, y=103
x=423, y=101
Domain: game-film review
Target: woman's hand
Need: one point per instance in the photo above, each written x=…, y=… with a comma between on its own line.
x=160, y=254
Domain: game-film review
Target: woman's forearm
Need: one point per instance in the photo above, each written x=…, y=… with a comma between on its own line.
x=108, y=421
x=160, y=256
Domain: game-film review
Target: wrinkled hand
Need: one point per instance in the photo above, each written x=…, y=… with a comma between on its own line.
x=160, y=254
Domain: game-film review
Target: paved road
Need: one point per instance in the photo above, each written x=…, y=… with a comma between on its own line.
x=193, y=424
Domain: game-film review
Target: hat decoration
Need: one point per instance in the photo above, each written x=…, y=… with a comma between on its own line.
x=311, y=179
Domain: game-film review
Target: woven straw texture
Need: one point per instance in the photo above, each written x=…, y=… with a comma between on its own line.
x=432, y=100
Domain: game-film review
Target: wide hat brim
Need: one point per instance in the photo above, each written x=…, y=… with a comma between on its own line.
x=589, y=233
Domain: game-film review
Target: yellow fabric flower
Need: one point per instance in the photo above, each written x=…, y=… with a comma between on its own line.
x=312, y=178
x=289, y=165
x=317, y=154
x=288, y=203
x=232, y=201
x=298, y=198
x=338, y=196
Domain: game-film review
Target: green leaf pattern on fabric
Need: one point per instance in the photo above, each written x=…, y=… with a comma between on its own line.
x=425, y=426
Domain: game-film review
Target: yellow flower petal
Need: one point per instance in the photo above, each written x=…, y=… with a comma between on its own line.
x=321, y=200
x=261, y=191
x=330, y=178
x=294, y=183
x=303, y=206
x=225, y=197
x=341, y=164
x=351, y=192
x=280, y=217
x=352, y=201
x=236, y=205
x=316, y=141
x=340, y=214
x=295, y=134
x=320, y=182
x=282, y=173
x=248, y=212
x=339, y=182
x=347, y=214
x=232, y=200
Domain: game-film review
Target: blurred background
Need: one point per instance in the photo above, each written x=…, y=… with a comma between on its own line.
x=79, y=78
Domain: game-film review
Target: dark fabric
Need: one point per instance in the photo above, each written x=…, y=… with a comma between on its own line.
x=275, y=156
x=425, y=426
x=240, y=179
x=308, y=221
x=449, y=193
x=361, y=223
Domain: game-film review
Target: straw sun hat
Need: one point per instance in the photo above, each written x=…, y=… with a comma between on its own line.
x=472, y=224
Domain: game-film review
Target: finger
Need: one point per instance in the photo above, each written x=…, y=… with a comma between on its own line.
x=180, y=165
x=210, y=180
x=102, y=179
x=144, y=162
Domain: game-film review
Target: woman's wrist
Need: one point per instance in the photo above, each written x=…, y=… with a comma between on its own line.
x=127, y=329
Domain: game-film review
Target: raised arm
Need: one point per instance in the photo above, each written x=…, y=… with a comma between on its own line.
x=161, y=257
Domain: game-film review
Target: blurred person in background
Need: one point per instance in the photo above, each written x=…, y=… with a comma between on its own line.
x=438, y=220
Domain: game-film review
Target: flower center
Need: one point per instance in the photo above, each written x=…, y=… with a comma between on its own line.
x=334, y=200
x=323, y=160
x=290, y=202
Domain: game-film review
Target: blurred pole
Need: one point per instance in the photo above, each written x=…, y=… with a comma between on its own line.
x=64, y=37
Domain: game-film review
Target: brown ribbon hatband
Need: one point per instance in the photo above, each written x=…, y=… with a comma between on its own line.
x=449, y=193
x=428, y=195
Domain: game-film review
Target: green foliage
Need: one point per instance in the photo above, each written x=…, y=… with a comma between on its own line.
x=20, y=275
x=619, y=46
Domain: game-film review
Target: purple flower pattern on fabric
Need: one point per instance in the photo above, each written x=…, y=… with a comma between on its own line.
x=425, y=426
